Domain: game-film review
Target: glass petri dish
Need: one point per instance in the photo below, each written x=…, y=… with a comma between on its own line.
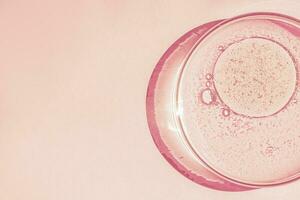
x=222, y=102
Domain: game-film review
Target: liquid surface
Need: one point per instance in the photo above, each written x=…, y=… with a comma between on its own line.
x=255, y=77
x=249, y=132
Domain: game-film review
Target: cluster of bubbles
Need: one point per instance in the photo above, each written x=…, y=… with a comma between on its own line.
x=208, y=97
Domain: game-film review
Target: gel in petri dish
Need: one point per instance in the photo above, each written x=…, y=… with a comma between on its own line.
x=222, y=102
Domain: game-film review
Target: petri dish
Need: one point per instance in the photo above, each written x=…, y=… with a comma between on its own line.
x=223, y=102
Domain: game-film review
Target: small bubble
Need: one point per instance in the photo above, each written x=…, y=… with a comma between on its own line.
x=221, y=48
x=208, y=84
x=207, y=97
x=225, y=112
x=208, y=76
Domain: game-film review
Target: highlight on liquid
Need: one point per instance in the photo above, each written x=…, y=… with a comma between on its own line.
x=222, y=102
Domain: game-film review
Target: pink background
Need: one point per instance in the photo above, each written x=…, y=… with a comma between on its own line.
x=73, y=81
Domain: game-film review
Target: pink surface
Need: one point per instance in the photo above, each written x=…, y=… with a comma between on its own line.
x=74, y=76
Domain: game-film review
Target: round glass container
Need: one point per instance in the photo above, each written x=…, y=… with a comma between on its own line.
x=223, y=102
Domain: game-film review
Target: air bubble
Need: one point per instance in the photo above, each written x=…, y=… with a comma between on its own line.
x=208, y=84
x=207, y=97
x=221, y=48
x=226, y=112
x=208, y=76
